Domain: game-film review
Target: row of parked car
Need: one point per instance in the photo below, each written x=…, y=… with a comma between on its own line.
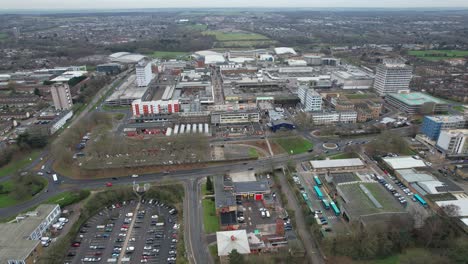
x=394, y=192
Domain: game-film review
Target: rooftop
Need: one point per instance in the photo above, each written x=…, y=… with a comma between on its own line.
x=446, y=118
x=251, y=187
x=318, y=164
x=461, y=203
x=416, y=98
x=14, y=242
x=371, y=198
x=411, y=175
x=230, y=240
x=405, y=162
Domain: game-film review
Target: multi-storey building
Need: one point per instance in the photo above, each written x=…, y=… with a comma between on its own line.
x=61, y=96
x=144, y=74
x=433, y=125
x=392, y=76
x=145, y=108
x=310, y=99
x=328, y=118
x=454, y=142
x=368, y=111
x=235, y=117
x=416, y=103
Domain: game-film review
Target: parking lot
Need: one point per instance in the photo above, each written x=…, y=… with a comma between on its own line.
x=148, y=235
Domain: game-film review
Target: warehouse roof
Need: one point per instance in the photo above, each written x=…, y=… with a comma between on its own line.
x=404, y=162
x=319, y=164
x=411, y=175
x=285, y=50
x=461, y=203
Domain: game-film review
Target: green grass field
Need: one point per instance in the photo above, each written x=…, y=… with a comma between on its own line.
x=294, y=145
x=169, y=55
x=210, y=219
x=344, y=155
x=200, y=27
x=253, y=153
x=65, y=198
x=3, y=35
x=436, y=55
x=6, y=200
x=16, y=165
x=459, y=108
x=235, y=36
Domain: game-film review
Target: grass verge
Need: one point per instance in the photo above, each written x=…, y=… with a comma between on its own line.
x=210, y=219
x=294, y=145
x=18, y=164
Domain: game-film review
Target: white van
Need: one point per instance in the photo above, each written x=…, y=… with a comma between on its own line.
x=267, y=213
x=129, y=215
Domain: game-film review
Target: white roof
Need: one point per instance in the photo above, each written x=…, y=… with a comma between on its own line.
x=406, y=162
x=214, y=58
x=66, y=76
x=240, y=59
x=206, y=53
x=462, y=203
x=126, y=57
x=118, y=54
x=430, y=186
x=319, y=164
x=297, y=62
x=464, y=220
x=284, y=50
x=229, y=240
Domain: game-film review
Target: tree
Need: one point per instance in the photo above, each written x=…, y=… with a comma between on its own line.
x=235, y=257
x=37, y=92
x=209, y=184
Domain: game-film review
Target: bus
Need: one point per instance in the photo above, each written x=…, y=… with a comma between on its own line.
x=335, y=208
x=317, y=181
x=420, y=200
x=325, y=204
x=318, y=192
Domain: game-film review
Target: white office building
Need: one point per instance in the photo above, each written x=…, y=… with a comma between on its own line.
x=144, y=74
x=310, y=99
x=454, y=142
x=329, y=118
x=392, y=76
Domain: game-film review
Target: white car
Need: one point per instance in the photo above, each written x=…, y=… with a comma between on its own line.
x=135, y=176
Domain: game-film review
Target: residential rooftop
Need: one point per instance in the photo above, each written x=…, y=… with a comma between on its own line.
x=446, y=118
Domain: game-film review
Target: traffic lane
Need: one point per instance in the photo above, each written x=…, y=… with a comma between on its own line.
x=73, y=184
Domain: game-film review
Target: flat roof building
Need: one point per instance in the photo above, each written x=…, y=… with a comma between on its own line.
x=20, y=241
x=336, y=165
x=416, y=103
x=433, y=125
x=403, y=162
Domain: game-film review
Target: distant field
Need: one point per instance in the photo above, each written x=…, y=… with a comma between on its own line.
x=294, y=145
x=459, y=108
x=243, y=43
x=233, y=36
x=169, y=55
x=436, y=55
x=3, y=35
x=200, y=27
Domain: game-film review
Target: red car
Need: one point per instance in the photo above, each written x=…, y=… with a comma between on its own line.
x=109, y=184
x=76, y=244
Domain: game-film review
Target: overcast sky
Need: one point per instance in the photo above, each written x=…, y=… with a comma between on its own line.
x=116, y=4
